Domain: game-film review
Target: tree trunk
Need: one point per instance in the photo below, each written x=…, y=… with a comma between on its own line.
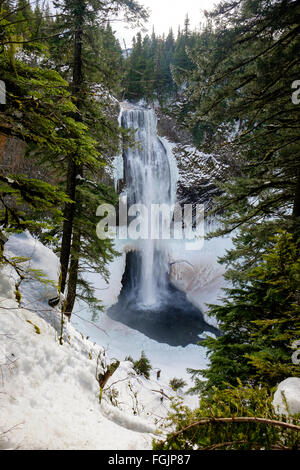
x=68, y=224
x=103, y=378
x=73, y=274
x=73, y=169
x=296, y=208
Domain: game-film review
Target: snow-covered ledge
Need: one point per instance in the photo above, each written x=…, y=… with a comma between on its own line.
x=287, y=396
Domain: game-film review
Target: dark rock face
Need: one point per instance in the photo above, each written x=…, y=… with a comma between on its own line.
x=199, y=188
x=174, y=321
x=203, y=193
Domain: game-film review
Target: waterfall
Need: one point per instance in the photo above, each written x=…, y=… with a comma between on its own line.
x=148, y=301
x=148, y=182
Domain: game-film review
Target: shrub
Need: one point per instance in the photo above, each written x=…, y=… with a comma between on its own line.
x=234, y=418
x=177, y=384
x=142, y=366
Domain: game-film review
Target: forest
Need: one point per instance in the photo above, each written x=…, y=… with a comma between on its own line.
x=230, y=89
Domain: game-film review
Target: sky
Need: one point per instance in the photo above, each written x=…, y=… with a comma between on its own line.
x=166, y=14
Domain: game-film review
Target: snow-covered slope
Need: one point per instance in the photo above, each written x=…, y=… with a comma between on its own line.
x=49, y=395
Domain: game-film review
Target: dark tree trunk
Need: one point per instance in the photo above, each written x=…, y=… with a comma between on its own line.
x=77, y=68
x=68, y=224
x=296, y=208
x=73, y=273
x=73, y=170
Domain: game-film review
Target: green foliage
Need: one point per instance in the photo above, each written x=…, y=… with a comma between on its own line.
x=154, y=67
x=74, y=131
x=17, y=190
x=103, y=61
x=236, y=418
x=37, y=111
x=143, y=366
x=177, y=384
x=245, y=64
x=259, y=320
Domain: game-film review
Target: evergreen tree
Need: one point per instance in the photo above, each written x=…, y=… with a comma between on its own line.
x=148, y=69
x=181, y=61
x=37, y=102
x=259, y=320
x=248, y=77
x=136, y=68
x=238, y=418
x=244, y=75
x=72, y=135
x=79, y=21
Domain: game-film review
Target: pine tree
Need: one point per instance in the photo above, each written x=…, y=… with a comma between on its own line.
x=58, y=130
x=244, y=74
x=37, y=102
x=136, y=67
x=259, y=320
x=237, y=418
x=181, y=61
x=148, y=69
x=79, y=22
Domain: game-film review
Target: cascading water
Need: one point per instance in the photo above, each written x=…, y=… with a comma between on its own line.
x=148, y=301
x=148, y=182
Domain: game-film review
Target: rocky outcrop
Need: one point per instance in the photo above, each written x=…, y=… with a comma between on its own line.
x=196, y=168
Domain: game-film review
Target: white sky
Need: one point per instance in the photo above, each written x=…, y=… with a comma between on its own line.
x=166, y=14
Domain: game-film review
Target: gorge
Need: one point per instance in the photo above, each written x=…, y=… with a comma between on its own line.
x=149, y=302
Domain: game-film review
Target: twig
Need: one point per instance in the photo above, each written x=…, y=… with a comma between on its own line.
x=240, y=419
x=162, y=393
x=253, y=444
x=10, y=429
x=118, y=381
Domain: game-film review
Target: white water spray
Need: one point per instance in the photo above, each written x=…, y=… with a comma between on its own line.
x=148, y=181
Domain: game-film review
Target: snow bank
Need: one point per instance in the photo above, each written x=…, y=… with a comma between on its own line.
x=199, y=274
x=41, y=259
x=287, y=396
x=49, y=393
x=118, y=339
x=7, y=285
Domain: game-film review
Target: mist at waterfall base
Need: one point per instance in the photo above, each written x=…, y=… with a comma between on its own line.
x=172, y=320
x=148, y=301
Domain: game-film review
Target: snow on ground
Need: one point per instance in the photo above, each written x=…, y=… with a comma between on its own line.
x=49, y=395
x=120, y=340
x=199, y=274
